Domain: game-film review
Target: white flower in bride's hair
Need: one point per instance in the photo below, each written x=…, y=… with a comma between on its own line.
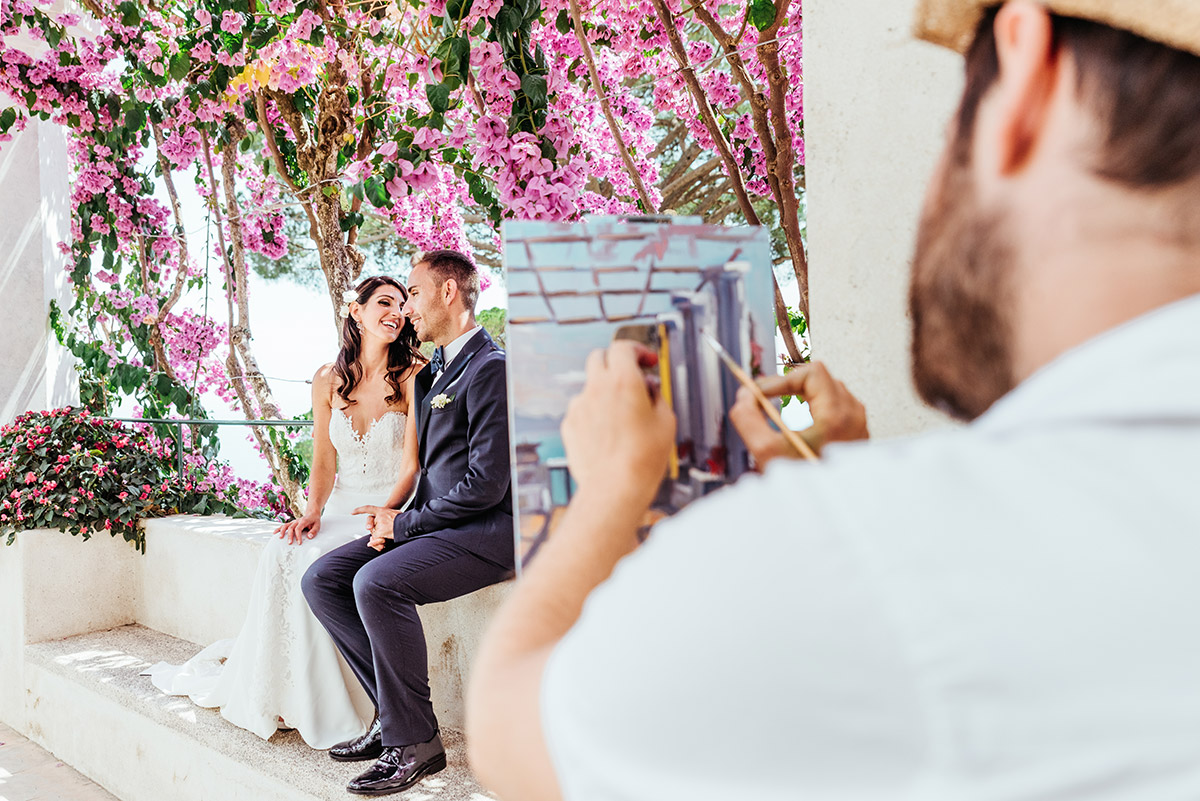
x=440, y=401
x=348, y=297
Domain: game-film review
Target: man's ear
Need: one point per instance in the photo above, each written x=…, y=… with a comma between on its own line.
x=449, y=291
x=1021, y=101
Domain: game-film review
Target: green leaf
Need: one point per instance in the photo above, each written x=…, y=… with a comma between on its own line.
x=131, y=17
x=457, y=9
x=761, y=13
x=180, y=64
x=7, y=118
x=507, y=22
x=135, y=118
x=534, y=87
x=563, y=21
x=439, y=96
x=459, y=60
x=377, y=193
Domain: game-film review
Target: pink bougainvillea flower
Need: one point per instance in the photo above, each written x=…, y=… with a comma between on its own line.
x=303, y=27
x=202, y=52
x=428, y=138
x=232, y=22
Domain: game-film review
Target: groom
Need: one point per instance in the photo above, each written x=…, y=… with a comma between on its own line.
x=456, y=538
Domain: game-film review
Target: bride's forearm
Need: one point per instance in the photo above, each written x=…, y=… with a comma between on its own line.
x=320, y=487
x=403, y=489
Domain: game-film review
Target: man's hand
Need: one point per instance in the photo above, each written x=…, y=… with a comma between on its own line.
x=837, y=415
x=618, y=432
x=296, y=531
x=379, y=524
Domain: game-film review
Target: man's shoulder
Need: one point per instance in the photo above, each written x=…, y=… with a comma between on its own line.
x=924, y=473
x=489, y=359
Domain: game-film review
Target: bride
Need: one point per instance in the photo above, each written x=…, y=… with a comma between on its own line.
x=282, y=666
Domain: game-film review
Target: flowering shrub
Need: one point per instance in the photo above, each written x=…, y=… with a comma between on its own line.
x=69, y=470
x=432, y=118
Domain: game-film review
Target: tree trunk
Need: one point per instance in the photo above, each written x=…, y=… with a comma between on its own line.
x=731, y=164
x=250, y=385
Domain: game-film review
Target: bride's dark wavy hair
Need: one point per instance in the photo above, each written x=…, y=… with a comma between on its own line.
x=402, y=354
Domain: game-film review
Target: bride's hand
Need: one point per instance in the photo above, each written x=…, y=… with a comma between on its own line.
x=296, y=531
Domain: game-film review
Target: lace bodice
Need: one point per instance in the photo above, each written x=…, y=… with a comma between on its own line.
x=369, y=464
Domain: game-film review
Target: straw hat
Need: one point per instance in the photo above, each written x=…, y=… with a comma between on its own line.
x=952, y=23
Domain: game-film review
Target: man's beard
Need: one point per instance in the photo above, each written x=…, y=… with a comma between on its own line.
x=960, y=301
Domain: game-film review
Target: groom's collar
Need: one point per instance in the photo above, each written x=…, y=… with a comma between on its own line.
x=472, y=344
x=456, y=347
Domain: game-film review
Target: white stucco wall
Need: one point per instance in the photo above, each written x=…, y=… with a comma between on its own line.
x=876, y=106
x=35, y=373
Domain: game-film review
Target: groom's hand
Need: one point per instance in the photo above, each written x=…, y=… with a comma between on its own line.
x=379, y=524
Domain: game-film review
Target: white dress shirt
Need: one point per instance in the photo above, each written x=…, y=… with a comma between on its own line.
x=455, y=348
x=1004, y=611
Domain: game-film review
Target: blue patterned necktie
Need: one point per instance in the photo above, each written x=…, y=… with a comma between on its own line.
x=438, y=362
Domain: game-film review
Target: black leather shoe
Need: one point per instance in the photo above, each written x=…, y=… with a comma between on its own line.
x=361, y=748
x=401, y=768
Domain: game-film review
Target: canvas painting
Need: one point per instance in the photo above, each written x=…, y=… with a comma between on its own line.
x=575, y=287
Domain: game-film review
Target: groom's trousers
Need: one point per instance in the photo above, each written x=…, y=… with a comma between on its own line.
x=367, y=601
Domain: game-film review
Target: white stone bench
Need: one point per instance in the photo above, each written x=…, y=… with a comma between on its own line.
x=82, y=618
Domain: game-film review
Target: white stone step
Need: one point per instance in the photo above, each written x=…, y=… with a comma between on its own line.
x=87, y=703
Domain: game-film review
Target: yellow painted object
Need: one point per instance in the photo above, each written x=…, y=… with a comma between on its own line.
x=664, y=376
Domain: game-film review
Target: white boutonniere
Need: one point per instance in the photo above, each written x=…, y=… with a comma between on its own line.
x=440, y=401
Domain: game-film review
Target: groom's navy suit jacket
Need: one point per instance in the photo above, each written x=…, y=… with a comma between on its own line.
x=464, y=494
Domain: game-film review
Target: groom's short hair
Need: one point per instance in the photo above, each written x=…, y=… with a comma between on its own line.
x=447, y=264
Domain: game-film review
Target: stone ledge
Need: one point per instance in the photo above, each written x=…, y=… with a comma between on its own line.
x=195, y=581
x=88, y=712
x=113, y=725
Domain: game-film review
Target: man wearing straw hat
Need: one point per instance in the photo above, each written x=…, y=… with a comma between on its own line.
x=1004, y=611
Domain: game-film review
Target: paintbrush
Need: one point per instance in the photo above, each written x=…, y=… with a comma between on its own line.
x=801, y=447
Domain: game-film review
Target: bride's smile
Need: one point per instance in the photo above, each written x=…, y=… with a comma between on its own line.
x=381, y=314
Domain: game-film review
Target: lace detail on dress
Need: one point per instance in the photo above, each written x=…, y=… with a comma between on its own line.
x=370, y=463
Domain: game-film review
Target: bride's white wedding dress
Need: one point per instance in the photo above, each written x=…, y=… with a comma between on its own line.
x=282, y=663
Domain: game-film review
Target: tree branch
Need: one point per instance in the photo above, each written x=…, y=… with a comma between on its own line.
x=240, y=362
x=731, y=166
x=677, y=130
x=784, y=163
x=687, y=158
x=647, y=205
x=784, y=192
x=678, y=188
x=268, y=129
x=182, y=269
x=705, y=111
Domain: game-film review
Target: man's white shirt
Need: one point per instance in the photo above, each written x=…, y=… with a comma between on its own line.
x=455, y=348
x=1002, y=611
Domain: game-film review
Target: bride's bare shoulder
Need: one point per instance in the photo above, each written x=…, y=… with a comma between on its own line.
x=325, y=381
x=412, y=371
